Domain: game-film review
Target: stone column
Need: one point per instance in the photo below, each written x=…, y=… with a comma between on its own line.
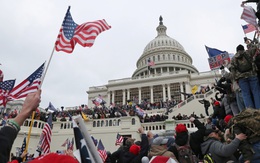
x=164, y=93
x=124, y=102
x=139, y=95
x=182, y=96
x=128, y=94
x=169, y=91
x=151, y=94
x=187, y=87
x=108, y=98
x=113, y=97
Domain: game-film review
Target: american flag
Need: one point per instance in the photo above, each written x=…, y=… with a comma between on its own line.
x=29, y=85
x=101, y=150
x=1, y=75
x=150, y=63
x=248, y=28
x=95, y=141
x=119, y=139
x=85, y=34
x=23, y=147
x=95, y=102
x=249, y=15
x=46, y=136
x=5, y=87
x=71, y=145
x=65, y=142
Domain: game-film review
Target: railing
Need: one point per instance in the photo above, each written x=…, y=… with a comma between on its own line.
x=197, y=96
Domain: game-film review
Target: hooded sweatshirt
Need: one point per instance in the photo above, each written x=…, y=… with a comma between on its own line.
x=219, y=151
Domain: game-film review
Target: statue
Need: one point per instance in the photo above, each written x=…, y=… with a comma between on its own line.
x=161, y=20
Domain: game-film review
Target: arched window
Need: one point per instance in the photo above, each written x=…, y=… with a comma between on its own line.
x=98, y=123
x=110, y=122
x=61, y=126
x=94, y=123
x=102, y=123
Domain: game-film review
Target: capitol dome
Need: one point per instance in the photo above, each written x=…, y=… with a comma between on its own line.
x=167, y=54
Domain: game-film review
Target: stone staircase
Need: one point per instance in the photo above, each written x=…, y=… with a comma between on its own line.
x=192, y=104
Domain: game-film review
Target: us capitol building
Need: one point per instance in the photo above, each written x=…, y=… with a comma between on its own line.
x=171, y=74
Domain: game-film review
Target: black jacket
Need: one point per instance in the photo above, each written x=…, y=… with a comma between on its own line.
x=195, y=139
x=131, y=158
x=7, y=137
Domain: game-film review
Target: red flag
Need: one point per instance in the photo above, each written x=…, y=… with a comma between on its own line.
x=85, y=34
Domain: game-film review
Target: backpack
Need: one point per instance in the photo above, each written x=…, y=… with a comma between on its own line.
x=244, y=64
x=249, y=118
x=185, y=154
x=208, y=158
x=207, y=103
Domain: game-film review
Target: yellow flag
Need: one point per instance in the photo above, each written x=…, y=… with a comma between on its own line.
x=85, y=117
x=194, y=89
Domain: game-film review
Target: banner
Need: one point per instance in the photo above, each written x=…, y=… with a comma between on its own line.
x=218, y=60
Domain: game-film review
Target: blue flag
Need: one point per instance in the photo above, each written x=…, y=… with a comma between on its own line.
x=81, y=145
x=51, y=108
x=213, y=52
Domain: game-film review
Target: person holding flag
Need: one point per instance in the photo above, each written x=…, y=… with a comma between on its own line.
x=9, y=132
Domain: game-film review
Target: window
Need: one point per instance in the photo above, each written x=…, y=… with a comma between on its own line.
x=133, y=121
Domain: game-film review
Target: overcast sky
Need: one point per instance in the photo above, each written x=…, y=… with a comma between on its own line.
x=29, y=30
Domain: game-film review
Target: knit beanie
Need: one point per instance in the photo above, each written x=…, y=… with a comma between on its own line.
x=216, y=103
x=135, y=149
x=227, y=118
x=180, y=128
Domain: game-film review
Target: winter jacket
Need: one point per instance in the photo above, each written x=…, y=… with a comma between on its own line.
x=7, y=137
x=219, y=112
x=129, y=157
x=195, y=139
x=238, y=56
x=220, y=152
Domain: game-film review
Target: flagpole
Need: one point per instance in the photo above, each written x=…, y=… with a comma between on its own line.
x=29, y=134
x=47, y=67
x=88, y=139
